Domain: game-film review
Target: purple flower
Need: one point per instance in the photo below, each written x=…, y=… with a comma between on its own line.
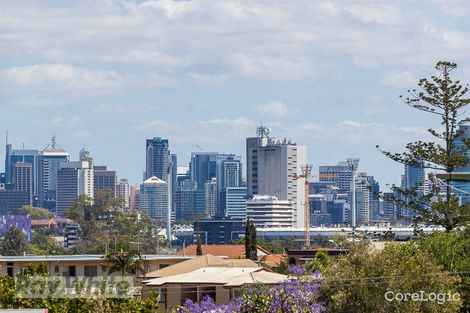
x=297, y=270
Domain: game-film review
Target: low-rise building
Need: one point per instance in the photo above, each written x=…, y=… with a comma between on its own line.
x=79, y=265
x=207, y=275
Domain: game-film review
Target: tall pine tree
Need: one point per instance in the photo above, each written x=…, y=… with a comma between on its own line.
x=446, y=99
x=251, y=251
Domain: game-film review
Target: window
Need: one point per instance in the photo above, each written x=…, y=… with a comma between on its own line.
x=91, y=270
x=10, y=269
x=56, y=269
x=72, y=271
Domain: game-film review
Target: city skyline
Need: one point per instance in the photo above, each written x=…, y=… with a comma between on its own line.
x=326, y=74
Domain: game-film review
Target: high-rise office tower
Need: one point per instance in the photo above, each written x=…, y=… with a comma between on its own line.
x=186, y=209
x=342, y=175
x=153, y=199
x=123, y=192
x=49, y=161
x=273, y=167
x=13, y=156
x=104, y=179
x=233, y=202
x=414, y=178
x=73, y=180
x=23, y=179
x=158, y=158
x=225, y=168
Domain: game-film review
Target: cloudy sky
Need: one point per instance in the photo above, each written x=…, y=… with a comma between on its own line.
x=107, y=74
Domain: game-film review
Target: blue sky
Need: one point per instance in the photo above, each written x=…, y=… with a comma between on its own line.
x=108, y=74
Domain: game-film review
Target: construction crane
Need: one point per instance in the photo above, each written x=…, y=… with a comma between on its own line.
x=306, y=174
x=199, y=147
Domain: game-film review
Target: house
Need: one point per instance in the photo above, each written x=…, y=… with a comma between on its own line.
x=228, y=251
x=274, y=260
x=300, y=257
x=207, y=275
x=79, y=265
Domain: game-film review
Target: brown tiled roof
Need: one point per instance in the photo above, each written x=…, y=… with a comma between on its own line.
x=230, y=251
x=274, y=260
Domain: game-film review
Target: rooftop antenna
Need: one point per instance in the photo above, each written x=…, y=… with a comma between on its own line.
x=54, y=142
x=263, y=131
x=6, y=137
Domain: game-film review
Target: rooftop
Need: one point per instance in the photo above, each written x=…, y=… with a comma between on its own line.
x=81, y=257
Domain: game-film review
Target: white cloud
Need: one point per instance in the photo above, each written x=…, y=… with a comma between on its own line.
x=58, y=77
x=405, y=79
x=209, y=80
x=274, y=109
x=272, y=67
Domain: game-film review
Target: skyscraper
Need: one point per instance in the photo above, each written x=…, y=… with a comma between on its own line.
x=210, y=189
x=153, y=200
x=49, y=161
x=273, y=167
x=23, y=179
x=123, y=191
x=158, y=158
x=73, y=180
x=14, y=156
x=233, y=202
x=104, y=179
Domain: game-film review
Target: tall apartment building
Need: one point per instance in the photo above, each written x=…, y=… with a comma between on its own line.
x=272, y=169
x=23, y=179
x=210, y=192
x=49, y=161
x=158, y=158
x=122, y=191
x=153, y=200
x=73, y=180
x=104, y=179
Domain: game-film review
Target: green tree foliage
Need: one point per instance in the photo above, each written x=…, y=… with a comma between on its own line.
x=105, y=225
x=442, y=97
x=9, y=299
x=123, y=262
x=14, y=242
x=358, y=282
x=251, y=251
x=43, y=243
x=36, y=213
x=452, y=250
x=321, y=262
x=275, y=247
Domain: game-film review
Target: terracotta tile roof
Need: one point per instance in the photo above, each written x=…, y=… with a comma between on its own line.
x=230, y=251
x=274, y=260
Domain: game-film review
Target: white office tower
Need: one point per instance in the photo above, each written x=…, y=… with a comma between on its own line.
x=153, y=200
x=122, y=191
x=210, y=195
x=272, y=169
x=73, y=180
x=269, y=211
